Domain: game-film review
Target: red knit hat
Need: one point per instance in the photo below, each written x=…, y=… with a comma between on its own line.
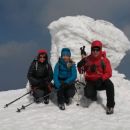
x=42, y=51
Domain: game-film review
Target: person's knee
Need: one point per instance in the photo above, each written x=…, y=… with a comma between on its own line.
x=108, y=83
x=38, y=93
x=88, y=92
x=71, y=93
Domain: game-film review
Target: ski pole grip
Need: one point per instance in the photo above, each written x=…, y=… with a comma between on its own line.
x=82, y=49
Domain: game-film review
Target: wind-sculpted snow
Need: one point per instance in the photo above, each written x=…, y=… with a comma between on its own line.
x=77, y=31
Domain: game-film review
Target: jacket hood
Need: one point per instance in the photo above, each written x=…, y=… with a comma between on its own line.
x=96, y=44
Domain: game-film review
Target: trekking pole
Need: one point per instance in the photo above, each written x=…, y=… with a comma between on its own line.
x=77, y=90
x=23, y=107
x=79, y=82
x=83, y=55
x=6, y=105
x=77, y=97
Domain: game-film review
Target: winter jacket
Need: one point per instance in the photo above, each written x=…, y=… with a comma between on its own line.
x=95, y=68
x=39, y=73
x=64, y=71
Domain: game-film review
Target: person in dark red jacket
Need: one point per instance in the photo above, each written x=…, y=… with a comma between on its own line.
x=97, y=72
x=40, y=75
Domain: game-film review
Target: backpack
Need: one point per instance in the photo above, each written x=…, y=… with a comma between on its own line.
x=36, y=65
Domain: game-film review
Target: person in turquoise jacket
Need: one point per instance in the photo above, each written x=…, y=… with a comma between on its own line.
x=65, y=74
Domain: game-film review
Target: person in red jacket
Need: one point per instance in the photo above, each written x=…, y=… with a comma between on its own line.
x=97, y=72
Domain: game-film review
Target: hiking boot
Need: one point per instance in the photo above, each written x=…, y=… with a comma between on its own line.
x=36, y=100
x=46, y=100
x=109, y=110
x=67, y=101
x=61, y=106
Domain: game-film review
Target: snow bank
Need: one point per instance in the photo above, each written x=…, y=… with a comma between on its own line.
x=77, y=31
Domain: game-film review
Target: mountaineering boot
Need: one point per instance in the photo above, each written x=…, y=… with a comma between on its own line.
x=46, y=100
x=109, y=110
x=61, y=106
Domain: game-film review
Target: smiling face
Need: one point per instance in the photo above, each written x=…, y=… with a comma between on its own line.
x=66, y=58
x=42, y=58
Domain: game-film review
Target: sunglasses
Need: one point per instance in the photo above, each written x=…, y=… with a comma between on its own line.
x=95, y=49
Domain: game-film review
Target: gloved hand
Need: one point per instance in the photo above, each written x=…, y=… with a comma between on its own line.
x=81, y=63
x=33, y=89
x=64, y=85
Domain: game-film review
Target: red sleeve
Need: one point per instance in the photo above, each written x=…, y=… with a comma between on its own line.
x=108, y=71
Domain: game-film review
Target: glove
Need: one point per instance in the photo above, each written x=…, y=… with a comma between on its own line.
x=33, y=89
x=81, y=63
x=64, y=85
x=50, y=87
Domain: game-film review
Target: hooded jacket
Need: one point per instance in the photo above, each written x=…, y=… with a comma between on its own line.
x=92, y=67
x=38, y=72
x=64, y=71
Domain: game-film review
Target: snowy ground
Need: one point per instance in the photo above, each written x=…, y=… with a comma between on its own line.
x=48, y=117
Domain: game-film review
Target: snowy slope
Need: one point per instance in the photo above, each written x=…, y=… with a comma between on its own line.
x=49, y=117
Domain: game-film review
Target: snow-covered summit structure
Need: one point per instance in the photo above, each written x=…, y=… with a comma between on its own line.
x=77, y=31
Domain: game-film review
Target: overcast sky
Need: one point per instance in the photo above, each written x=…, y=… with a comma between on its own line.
x=23, y=30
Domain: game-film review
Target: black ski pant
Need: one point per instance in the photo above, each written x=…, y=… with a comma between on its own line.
x=90, y=91
x=64, y=93
x=41, y=91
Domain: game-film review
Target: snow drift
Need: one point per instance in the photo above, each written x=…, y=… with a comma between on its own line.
x=75, y=32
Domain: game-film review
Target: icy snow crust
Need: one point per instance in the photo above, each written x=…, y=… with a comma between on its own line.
x=78, y=31
x=74, y=32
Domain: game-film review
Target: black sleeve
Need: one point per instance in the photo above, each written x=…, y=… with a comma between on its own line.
x=81, y=63
x=31, y=72
x=50, y=73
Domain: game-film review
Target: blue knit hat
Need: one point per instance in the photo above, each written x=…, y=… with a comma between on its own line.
x=65, y=52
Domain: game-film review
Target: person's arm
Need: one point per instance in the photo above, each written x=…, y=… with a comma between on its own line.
x=32, y=69
x=80, y=65
x=56, y=75
x=108, y=71
x=73, y=76
x=50, y=73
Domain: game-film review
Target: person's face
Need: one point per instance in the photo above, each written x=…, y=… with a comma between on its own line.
x=66, y=58
x=95, y=52
x=42, y=58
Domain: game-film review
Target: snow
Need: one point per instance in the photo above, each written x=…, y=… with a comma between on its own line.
x=48, y=117
x=74, y=32
x=77, y=31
